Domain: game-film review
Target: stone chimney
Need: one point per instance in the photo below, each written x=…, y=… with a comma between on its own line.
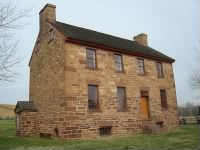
x=141, y=39
x=47, y=14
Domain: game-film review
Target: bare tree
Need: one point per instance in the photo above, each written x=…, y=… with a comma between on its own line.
x=195, y=78
x=11, y=20
x=190, y=109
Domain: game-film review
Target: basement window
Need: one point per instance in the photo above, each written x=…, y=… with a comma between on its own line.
x=45, y=135
x=105, y=131
x=160, y=124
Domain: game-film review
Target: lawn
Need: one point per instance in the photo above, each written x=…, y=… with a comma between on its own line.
x=185, y=137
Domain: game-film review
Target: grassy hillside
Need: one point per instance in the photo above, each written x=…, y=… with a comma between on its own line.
x=7, y=110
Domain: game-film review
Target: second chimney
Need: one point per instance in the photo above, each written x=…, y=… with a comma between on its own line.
x=141, y=39
x=47, y=14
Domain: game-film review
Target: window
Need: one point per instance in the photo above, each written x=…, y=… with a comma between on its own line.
x=51, y=35
x=160, y=124
x=159, y=69
x=91, y=58
x=121, y=98
x=92, y=96
x=140, y=63
x=37, y=46
x=105, y=131
x=118, y=62
x=163, y=98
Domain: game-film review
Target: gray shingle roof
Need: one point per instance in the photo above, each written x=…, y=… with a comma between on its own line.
x=25, y=106
x=103, y=39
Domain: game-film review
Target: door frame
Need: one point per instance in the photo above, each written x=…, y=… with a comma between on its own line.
x=145, y=93
x=17, y=123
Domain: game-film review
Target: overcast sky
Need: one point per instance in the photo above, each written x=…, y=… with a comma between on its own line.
x=171, y=26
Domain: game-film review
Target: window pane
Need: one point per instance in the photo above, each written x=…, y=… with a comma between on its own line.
x=163, y=98
x=141, y=70
x=92, y=96
x=121, y=97
x=118, y=59
x=91, y=58
x=91, y=63
x=140, y=63
x=105, y=131
x=90, y=54
x=118, y=62
x=159, y=69
x=118, y=67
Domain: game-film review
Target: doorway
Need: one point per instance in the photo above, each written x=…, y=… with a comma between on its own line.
x=18, y=123
x=144, y=108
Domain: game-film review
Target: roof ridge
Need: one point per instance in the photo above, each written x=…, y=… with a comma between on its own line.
x=98, y=32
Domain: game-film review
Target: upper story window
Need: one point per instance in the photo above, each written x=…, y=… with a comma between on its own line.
x=140, y=63
x=159, y=69
x=91, y=58
x=121, y=98
x=118, y=62
x=93, y=97
x=163, y=98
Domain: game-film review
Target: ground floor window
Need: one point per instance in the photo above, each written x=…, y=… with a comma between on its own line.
x=163, y=97
x=93, y=97
x=121, y=97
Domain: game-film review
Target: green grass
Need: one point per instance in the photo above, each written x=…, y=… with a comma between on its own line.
x=184, y=137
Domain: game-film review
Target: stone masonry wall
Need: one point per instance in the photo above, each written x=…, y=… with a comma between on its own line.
x=27, y=126
x=81, y=122
x=47, y=79
x=58, y=87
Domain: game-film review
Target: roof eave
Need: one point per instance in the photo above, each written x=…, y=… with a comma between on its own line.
x=22, y=109
x=86, y=43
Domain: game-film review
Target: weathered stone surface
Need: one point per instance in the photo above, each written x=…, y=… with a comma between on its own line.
x=27, y=126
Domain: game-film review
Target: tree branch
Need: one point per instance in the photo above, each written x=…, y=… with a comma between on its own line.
x=11, y=19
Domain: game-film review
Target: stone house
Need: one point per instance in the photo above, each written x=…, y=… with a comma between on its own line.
x=85, y=84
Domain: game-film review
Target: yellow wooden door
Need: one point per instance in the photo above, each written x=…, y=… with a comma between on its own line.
x=144, y=108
